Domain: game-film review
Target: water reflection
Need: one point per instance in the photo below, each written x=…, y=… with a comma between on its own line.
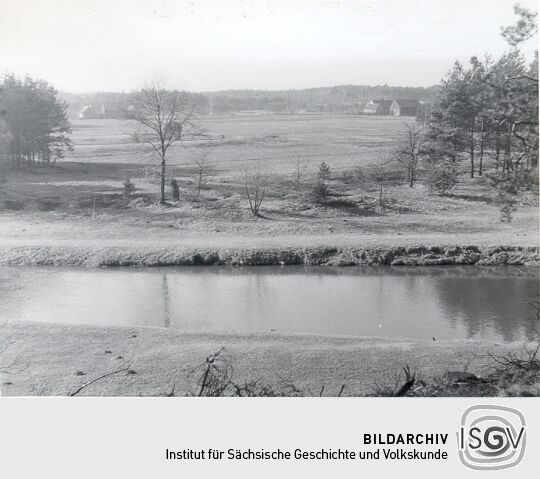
x=165, y=297
x=490, y=303
x=440, y=302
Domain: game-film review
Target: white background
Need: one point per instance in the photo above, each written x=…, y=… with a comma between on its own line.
x=127, y=437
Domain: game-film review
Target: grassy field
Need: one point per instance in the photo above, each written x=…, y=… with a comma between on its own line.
x=276, y=141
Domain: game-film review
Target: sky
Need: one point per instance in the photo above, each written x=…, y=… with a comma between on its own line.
x=121, y=45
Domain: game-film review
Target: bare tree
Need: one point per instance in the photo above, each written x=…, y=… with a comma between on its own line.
x=202, y=169
x=299, y=174
x=379, y=174
x=408, y=151
x=165, y=117
x=255, y=183
x=359, y=176
x=5, y=140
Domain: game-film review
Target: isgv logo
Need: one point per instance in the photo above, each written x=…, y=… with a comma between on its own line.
x=491, y=437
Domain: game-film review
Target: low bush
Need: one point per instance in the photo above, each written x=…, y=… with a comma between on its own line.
x=15, y=205
x=319, y=192
x=128, y=188
x=175, y=190
x=441, y=179
x=214, y=378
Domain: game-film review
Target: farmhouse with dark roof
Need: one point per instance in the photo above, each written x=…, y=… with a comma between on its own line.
x=404, y=107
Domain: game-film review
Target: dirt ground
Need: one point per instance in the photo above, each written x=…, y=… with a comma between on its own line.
x=49, y=359
x=56, y=206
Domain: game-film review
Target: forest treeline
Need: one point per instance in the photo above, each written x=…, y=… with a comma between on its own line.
x=487, y=109
x=34, y=124
x=337, y=99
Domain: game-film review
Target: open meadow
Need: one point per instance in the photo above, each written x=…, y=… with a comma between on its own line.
x=230, y=142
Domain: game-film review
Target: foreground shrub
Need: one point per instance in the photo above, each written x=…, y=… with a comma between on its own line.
x=214, y=378
x=513, y=374
x=441, y=179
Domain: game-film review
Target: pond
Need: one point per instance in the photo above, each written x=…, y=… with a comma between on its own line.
x=494, y=303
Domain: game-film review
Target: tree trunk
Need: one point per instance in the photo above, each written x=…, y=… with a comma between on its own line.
x=481, y=147
x=162, y=178
x=411, y=174
x=508, y=152
x=472, y=150
x=497, y=149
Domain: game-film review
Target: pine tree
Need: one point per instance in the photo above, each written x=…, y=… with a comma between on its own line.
x=324, y=172
x=36, y=120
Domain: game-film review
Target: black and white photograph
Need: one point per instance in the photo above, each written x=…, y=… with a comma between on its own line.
x=269, y=199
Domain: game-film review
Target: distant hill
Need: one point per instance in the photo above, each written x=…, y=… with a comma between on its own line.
x=336, y=99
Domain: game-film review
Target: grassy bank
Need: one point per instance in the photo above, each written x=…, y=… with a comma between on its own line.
x=152, y=255
x=49, y=359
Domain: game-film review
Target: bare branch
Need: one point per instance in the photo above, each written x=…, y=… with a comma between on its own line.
x=77, y=391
